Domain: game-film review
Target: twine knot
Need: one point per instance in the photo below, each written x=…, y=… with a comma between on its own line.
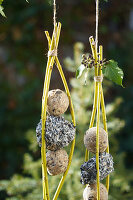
x=98, y=78
x=52, y=53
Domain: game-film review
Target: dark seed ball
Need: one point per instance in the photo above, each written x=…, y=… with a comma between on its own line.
x=90, y=140
x=57, y=103
x=58, y=132
x=90, y=192
x=57, y=162
x=89, y=171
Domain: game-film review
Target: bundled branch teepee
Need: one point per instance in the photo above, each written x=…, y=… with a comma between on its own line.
x=53, y=131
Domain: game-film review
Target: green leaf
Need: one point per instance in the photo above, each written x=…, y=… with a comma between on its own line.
x=80, y=70
x=27, y=1
x=113, y=72
x=1, y=11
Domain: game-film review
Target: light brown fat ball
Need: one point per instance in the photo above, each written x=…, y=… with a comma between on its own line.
x=57, y=162
x=57, y=103
x=90, y=140
x=90, y=192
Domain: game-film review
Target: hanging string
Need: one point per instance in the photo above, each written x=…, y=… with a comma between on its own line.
x=54, y=18
x=97, y=18
x=54, y=51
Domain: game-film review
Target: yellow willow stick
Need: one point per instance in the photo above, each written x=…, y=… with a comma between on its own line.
x=73, y=120
x=43, y=183
x=94, y=53
x=65, y=174
x=97, y=125
x=97, y=141
x=99, y=70
x=43, y=149
x=52, y=46
x=92, y=117
x=98, y=90
x=48, y=62
x=48, y=38
x=64, y=81
x=67, y=89
x=104, y=113
x=43, y=116
x=105, y=127
x=55, y=43
x=86, y=155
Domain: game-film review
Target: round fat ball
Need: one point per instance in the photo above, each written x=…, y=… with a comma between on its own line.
x=57, y=162
x=58, y=132
x=57, y=103
x=90, y=140
x=90, y=192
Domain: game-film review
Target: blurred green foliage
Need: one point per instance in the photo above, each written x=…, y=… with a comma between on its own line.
x=23, y=49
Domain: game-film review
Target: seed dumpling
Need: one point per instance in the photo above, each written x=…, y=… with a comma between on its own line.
x=90, y=140
x=90, y=192
x=57, y=162
x=57, y=103
x=58, y=132
x=89, y=171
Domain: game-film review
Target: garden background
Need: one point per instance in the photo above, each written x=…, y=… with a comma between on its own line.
x=23, y=56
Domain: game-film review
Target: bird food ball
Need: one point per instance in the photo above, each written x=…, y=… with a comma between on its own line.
x=57, y=162
x=58, y=132
x=90, y=140
x=90, y=192
x=57, y=103
x=89, y=171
